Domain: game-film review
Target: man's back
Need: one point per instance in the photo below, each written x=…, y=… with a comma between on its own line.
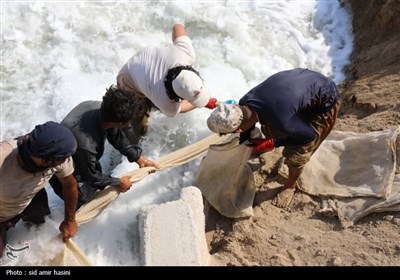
x=148, y=68
x=287, y=93
x=84, y=122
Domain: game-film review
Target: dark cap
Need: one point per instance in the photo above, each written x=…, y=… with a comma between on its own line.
x=51, y=141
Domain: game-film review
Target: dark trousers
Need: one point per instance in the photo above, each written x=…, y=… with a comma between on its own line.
x=34, y=213
x=85, y=191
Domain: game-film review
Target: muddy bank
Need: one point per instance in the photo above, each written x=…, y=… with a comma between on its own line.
x=370, y=101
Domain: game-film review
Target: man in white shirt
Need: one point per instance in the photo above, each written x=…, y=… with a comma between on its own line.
x=163, y=76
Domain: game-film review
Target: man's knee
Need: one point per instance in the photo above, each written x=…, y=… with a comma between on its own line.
x=296, y=158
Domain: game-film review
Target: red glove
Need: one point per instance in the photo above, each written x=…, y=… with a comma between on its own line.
x=211, y=103
x=262, y=145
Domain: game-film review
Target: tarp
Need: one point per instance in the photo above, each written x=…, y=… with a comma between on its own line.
x=354, y=174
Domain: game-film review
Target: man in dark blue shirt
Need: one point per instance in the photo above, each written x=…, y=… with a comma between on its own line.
x=92, y=122
x=297, y=109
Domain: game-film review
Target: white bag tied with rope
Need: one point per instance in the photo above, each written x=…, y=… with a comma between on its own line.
x=226, y=180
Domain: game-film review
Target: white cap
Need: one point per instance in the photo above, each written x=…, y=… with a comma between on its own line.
x=188, y=85
x=226, y=118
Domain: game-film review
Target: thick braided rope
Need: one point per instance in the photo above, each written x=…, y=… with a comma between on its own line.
x=72, y=255
x=93, y=208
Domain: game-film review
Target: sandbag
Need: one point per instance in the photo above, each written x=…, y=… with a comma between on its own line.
x=226, y=180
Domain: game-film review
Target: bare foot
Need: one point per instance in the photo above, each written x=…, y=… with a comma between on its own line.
x=283, y=199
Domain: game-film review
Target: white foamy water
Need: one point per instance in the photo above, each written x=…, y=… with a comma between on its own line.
x=56, y=55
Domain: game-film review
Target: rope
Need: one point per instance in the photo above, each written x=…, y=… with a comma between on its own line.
x=72, y=255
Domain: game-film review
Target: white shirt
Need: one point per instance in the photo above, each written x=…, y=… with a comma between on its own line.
x=148, y=68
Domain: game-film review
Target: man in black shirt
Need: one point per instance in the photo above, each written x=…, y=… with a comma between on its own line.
x=297, y=109
x=92, y=122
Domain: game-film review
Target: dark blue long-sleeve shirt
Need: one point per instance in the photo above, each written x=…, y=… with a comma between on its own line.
x=84, y=122
x=283, y=97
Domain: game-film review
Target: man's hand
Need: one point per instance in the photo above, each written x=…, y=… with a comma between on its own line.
x=125, y=184
x=178, y=30
x=68, y=229
x=143, y=162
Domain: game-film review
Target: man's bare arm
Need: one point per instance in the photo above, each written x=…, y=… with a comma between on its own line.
x=177, y=31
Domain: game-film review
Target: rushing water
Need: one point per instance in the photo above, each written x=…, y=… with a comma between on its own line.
x=55, y=55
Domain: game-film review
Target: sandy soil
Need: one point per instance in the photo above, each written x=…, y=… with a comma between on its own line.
x=302, y=236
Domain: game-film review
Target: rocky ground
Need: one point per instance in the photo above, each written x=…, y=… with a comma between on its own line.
x=303, y=237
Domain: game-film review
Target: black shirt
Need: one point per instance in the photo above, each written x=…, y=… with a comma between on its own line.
x=281, y=99
x=84, y=122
